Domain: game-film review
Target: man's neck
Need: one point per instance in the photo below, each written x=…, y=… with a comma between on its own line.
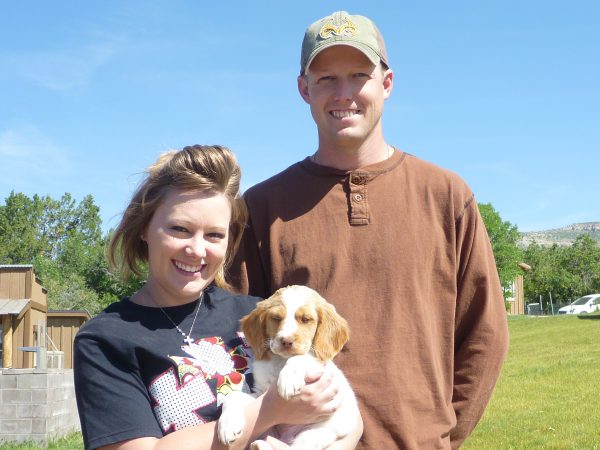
x=352, y=157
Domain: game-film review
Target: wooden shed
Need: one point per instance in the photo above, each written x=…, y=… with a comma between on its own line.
x=517, y=302
x=62, y=328
x=24, y=315
x=23, y=304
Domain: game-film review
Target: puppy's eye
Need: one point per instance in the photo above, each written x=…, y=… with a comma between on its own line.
x=306, y=319
x=276, y=318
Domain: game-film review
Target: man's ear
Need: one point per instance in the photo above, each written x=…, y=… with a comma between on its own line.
x=388, y=83
x=303, y=87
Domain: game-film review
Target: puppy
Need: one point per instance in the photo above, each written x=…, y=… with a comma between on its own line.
x=291, y=332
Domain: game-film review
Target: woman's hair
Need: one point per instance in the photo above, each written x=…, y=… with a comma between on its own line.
x=194, y=168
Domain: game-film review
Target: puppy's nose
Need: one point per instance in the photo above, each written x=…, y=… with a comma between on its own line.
x=286, y=342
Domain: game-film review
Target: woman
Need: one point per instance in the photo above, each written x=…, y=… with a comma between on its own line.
x=151, y=370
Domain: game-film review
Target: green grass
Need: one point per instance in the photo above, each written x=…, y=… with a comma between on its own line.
x=71, y=442
x=548, y=394
x=547, y=397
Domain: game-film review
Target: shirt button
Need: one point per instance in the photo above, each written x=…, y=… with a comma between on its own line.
x=358, y=197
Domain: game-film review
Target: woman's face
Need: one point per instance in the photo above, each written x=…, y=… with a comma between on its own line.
x=187, y=242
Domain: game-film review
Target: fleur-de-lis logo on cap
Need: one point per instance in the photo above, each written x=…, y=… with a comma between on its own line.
x=347, y=28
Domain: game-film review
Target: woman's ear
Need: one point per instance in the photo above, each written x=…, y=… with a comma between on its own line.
x=332, y=332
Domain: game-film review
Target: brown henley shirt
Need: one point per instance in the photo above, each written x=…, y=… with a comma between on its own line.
x=400, y=249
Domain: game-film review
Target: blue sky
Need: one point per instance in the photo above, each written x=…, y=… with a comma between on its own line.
x=507, y=94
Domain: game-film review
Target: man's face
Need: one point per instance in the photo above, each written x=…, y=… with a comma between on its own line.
x=346, y=93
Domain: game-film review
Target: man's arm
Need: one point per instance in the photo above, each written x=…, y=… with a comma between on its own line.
x=481, y=333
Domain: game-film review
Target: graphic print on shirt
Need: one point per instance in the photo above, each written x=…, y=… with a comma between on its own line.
x=191, y=392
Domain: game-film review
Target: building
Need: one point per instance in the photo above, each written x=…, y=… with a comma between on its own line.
x=37, y=396
x=28, y=328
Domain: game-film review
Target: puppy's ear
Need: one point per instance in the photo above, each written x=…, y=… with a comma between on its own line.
x=332, y=332
x=253, y=326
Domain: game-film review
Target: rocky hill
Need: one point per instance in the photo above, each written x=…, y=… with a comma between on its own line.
x=561, y=236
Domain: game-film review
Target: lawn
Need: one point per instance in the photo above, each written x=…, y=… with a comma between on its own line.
x=548, y=393
x=547, y=396
x=71, y=442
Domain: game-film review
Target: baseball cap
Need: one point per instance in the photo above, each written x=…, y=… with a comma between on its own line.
x=341, y=28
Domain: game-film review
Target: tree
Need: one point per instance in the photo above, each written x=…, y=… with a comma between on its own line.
x=41, y=226
x=63, y=240
x=503, y=237
x=19, y=242
x=548, y=274
x=564, y=272
x=584, y=263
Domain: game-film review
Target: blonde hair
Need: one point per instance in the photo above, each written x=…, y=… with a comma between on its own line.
x=194, y=168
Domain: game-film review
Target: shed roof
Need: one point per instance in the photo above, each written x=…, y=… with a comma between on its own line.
x=14, y=307
x=16, y=266
x=69, y=313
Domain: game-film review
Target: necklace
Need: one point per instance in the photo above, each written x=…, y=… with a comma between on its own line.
x=186, y=337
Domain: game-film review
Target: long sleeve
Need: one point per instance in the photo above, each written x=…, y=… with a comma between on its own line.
x=481, y=339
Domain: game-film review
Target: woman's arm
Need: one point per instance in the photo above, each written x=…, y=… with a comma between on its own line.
x=200, y=437
x=315, y=402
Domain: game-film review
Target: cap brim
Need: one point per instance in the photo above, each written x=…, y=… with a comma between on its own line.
x=363, y=48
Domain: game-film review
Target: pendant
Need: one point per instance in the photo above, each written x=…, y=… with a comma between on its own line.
x=188, y=340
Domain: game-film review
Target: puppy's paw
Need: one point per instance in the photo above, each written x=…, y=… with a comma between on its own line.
x=260, y=445
x=231, y=426
x=290, y=381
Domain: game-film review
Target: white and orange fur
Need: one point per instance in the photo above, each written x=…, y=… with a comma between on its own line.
x=291, y=332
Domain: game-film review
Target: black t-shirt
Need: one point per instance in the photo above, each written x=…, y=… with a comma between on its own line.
x=136, y=377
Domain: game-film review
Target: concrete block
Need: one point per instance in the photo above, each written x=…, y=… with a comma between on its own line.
x=39, y=396
x=55, y=380
x=39, y=411
x=68, y=379
x=60, y=409
x=15, y=426
x=39, y=426
x=32, y=381
x=67, y=393
x=12, y=396
x=8, y=411
x=58, y=395
x=8, y=381
x=23, y=411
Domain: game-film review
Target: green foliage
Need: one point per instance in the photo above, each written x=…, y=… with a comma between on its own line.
x=565, y=272
x=584, y=263
x=503, y=237
x=42, y=226
x=64, y=242
x=19, y=239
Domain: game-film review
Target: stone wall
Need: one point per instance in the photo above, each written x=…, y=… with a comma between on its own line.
x=37, y=404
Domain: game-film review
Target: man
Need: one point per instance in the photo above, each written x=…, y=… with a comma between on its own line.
x=397, y=244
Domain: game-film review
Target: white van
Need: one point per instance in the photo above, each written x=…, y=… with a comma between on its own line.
x=585, y=304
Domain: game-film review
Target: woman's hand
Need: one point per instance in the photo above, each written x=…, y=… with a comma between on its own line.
x=317, y=400
x=274, y=444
